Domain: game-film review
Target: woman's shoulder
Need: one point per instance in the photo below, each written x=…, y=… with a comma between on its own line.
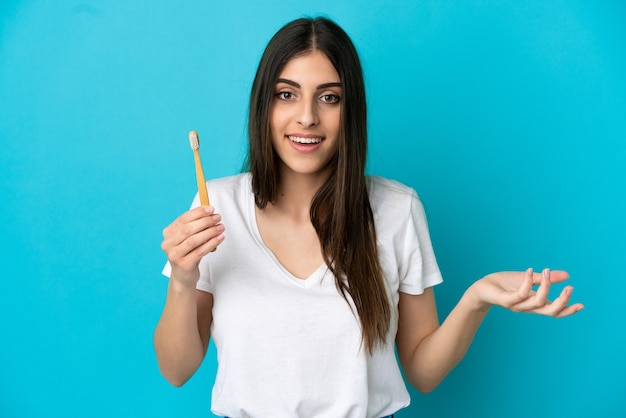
x=391, y=200
x=234, y=189
x=380, y=188
x=234, y=182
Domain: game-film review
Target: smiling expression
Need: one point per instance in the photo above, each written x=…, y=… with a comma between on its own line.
x=305, y=116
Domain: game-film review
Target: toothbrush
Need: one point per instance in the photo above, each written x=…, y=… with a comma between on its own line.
x=194, y=141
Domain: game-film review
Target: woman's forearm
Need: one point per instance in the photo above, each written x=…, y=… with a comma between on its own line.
x=177, y=341
x=429, y=351
x=444, y=348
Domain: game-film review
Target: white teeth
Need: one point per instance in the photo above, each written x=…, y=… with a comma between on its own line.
x=305, y=140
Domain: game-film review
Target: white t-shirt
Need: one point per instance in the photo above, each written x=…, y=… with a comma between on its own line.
x=288, y=347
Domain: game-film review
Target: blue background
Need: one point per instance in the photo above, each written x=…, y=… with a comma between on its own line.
x=509, y=118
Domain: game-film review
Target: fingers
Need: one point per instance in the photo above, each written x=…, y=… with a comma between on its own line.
x=191, y=236
x=558, y=276
x=541, y=295
x=559, y=308
x=194, y=244
x=538, y=303
x=527, y=284
x=202, y=243
x=511, y=298
x=530, y=300
x=514, y=291
x=570, y=310
x=189, y=223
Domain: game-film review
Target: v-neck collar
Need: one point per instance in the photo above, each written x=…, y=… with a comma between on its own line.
x=314, y=278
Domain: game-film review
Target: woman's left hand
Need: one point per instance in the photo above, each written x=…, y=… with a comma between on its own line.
x=514, y=291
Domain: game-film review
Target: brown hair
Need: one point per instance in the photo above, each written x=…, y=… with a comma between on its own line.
x=340, y=211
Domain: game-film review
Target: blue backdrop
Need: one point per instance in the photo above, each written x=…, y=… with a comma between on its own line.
x=509, y=118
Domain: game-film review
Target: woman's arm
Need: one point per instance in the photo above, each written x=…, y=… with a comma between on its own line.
x=428, y=351
x=182, y=336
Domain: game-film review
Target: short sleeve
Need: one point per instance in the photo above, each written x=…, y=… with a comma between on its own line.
x=418, y=268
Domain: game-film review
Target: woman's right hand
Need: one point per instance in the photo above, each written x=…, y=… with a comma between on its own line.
x=190, y=237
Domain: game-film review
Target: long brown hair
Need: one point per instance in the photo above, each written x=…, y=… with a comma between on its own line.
x=340, y=211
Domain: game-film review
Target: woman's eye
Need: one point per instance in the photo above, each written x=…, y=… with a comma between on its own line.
x=330, y=98
x=284, y=95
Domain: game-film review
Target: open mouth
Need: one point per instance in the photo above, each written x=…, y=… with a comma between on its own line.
x=301, y=140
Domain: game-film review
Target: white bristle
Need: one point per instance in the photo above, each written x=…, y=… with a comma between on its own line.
x=194, y=141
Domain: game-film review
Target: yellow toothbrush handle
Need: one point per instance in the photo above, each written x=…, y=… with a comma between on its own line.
x=204, y=195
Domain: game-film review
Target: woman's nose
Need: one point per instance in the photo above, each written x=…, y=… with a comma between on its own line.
x=307, y=114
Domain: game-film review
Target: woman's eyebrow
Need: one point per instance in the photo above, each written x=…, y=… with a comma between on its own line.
x=327, y=85
x=296, y=85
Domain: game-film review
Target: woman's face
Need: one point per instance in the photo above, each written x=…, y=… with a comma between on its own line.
x=305, y=116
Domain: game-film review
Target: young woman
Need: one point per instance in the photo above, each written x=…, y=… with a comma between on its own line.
x=325, y=271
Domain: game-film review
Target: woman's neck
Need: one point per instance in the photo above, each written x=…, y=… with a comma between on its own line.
x=295, y=194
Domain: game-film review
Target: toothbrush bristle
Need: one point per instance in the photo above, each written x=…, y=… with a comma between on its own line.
x=194, y=141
